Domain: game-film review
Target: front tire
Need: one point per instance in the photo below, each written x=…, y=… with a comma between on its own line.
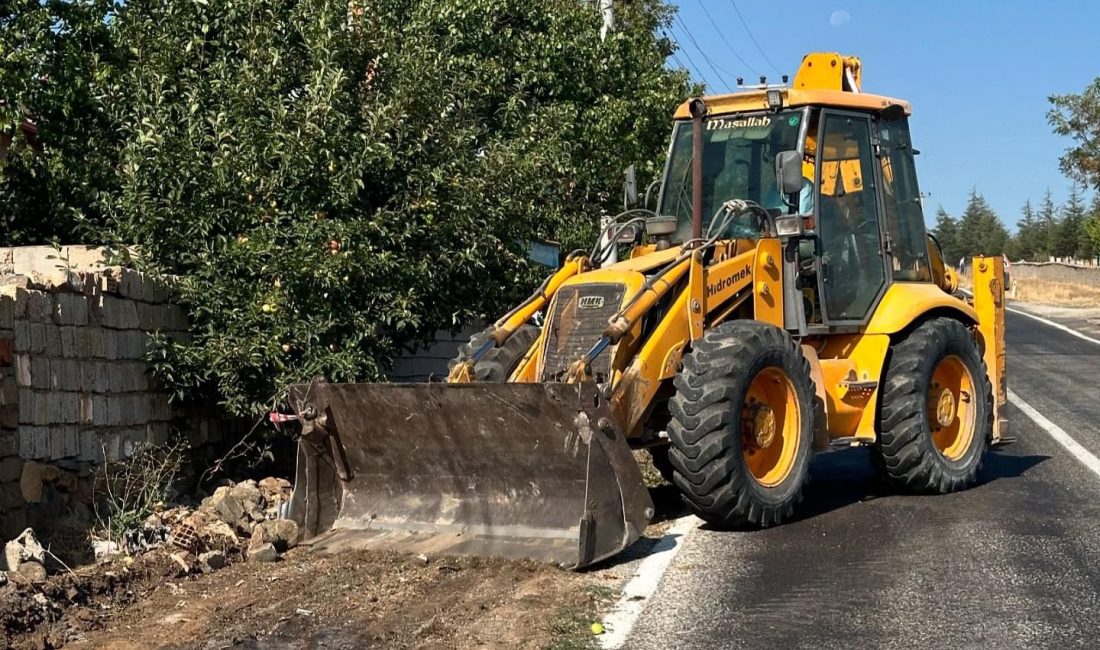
x=937, y=410
x=499, y=363
x=742, y=425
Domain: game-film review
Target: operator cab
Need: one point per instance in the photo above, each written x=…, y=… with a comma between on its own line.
x=862, y=224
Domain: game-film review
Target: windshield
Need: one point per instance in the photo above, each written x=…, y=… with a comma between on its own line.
x=738, y=163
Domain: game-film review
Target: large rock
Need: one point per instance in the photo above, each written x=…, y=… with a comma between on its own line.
x=32, y=572
x=282, y=533
x=263, y=553
x=24, y=548
x=237, y=505
x=212, y=561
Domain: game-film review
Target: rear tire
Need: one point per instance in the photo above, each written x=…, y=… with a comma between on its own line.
x=937, y=410
x=731, y=466
x=499, y=363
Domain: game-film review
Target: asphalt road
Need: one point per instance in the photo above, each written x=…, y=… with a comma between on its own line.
x=1013, y=562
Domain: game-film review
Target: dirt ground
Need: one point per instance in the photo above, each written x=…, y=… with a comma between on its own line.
x=312, y=599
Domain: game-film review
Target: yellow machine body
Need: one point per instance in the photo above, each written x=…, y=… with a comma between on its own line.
x=622, y=330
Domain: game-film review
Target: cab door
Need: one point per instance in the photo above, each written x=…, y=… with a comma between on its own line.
x=853, y=268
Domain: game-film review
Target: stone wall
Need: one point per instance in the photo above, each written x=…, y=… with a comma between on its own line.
x=1056, y=272
x=430, y=363
x=74, y=385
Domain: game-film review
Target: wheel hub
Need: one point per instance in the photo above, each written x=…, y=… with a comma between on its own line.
x=942, y=405
x=760, y=426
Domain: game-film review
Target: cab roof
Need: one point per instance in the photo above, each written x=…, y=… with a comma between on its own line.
x=756, y=100
x=823, y=79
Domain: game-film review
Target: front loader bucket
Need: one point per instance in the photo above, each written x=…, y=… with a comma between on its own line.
x=515, y=470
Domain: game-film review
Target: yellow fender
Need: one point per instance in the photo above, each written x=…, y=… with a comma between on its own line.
x=905, y=302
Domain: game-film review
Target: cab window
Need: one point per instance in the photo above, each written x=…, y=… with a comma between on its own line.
x=901, y=201
x=853, y=272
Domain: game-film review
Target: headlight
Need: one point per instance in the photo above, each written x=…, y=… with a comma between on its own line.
x=789, y=226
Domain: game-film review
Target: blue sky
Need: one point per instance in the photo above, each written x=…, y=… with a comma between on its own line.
x=978, y=73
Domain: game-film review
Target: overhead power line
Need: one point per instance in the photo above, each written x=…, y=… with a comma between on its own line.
x=724, y=39
x=695, y=68
x=753, y=38
x=710, y=63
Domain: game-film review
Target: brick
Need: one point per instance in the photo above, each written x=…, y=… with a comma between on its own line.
x=9, y=391
x=18, y=296
x=86, y=403
x=114, y=410
x=116, y=378
x=111, y=344
x=40, y=372
x=26, y=406
x=142, y=379
x=64, y=442
x=39, y=307
x=70, y=309
x=70, y=408
x=53, y=340
x=131, y=284
x=91, y=448
x=138, y=408
x=95, y=342
x=22, y=336
x=99, y=410
x=34, y=442
x=7, y=347
x=68, y=342
x=102, y=376
x=71, y=374
x=131, y=344
x=9, y=416
x=84, y=258
x=9, y=443
x=38, y=339
x=23, y=369
x=41, y=416
x=116, y=313
x=7, y=312
x=54, y=407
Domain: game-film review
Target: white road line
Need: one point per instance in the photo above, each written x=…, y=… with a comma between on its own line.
x=620, y=621
x=1067, y=330
x=1053, y=430
x=1058, y=433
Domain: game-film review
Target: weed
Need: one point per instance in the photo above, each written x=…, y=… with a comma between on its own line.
x=129, y=489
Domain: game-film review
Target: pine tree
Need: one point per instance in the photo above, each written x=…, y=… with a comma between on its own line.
x=1092, y=229
x=1028, y=243
x=1069, y=234
x=980, y=229
x=946, y=231
x=1048, y=226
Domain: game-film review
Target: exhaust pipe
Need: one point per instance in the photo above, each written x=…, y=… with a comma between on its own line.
x=698, y=110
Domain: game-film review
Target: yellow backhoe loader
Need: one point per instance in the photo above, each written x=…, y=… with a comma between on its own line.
x=782, y=297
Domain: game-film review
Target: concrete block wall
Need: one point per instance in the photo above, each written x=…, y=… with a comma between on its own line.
x=74, y=386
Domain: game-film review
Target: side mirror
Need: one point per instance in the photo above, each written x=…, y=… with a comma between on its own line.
x=788, y=172
x=630, y=188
